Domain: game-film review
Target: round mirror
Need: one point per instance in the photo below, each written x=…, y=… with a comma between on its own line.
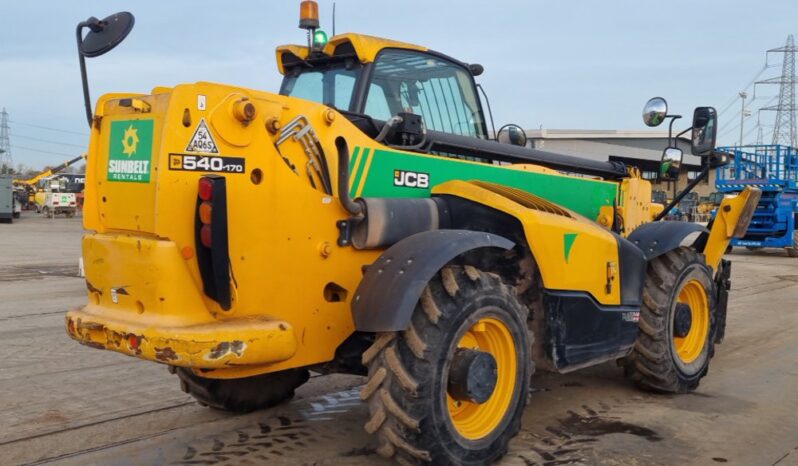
x=655, y=111
x=105, y=34
x=511, y=134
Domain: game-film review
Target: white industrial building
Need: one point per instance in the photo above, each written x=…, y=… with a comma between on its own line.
x=642, y=149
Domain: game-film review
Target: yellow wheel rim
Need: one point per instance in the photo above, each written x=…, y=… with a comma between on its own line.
x=475, y=421
x=690, y=346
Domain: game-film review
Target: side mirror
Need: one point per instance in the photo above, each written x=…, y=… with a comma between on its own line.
x=105, y=34
x=655, y=111
x=512, y=134
x=671, y=164
x=705, y=129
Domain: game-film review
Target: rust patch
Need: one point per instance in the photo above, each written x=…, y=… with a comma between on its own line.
x=92, y=344
x=226, y=347
x=166, y=354
x=90, y=325
x=114, y=338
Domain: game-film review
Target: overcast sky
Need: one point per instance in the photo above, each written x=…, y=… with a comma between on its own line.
x=556, y=64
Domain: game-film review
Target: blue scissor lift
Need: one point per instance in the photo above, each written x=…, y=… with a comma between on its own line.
x=774, y=170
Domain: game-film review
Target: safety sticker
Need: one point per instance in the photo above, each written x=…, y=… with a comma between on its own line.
x=206, y=163
x=202, y=141
x=201, y=102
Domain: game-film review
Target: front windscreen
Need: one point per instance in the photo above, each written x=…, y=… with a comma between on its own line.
x=438, y=90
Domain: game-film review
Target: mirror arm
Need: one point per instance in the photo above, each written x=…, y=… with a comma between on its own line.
x=83, y=77
x=704, y=173
x=683, y=132
x=670, y=129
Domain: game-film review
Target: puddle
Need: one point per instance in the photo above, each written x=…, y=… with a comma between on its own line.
x=594, y=426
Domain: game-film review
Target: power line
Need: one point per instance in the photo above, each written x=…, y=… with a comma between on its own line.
x=750, y=83
x=748, y=133
x=728, y=131
x=48, y=128
x=43, y=151
x=49, y=141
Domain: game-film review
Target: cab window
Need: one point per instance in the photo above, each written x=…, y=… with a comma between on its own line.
x=438, y=90
x=332, y=86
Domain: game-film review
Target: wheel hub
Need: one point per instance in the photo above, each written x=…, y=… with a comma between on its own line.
x=682, y=320
x=472, y=375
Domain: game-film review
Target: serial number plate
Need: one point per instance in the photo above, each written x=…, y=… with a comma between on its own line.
x=206, y=163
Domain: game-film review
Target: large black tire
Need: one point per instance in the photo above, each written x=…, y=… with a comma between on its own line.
x=655, y=362
x=408, y=372
x=241, y=395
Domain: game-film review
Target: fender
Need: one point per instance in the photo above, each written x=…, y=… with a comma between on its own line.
x=657, y=238
x=565, y=245
x=386, y=297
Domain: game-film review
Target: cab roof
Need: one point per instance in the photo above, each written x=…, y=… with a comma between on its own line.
x=364, y=47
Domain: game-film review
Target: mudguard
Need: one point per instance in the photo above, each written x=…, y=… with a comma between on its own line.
x=657, y=238
x=391, y=287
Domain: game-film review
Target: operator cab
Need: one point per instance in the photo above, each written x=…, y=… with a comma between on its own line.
x=397, y=81
x=411, y=98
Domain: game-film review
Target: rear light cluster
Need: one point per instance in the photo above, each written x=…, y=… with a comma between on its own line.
x=211, y=238
x=205, y=210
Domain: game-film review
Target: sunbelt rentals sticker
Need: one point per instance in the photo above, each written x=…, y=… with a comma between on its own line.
x=130, y=156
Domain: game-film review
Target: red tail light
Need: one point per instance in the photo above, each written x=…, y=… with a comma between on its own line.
x=205, y=189
x=205, y=236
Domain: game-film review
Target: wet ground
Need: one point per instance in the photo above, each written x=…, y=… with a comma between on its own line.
x=68, y=404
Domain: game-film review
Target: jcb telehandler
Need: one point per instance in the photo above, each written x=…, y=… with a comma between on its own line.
x=364, y=220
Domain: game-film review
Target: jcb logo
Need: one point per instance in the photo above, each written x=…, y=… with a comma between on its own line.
x=410, y=179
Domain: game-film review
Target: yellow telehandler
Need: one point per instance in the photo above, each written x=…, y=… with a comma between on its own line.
x=363, y=220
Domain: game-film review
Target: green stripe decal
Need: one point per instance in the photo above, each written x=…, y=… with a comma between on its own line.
x=352, y=160
x=583, y=195
x=357, y=172
x=568, y=239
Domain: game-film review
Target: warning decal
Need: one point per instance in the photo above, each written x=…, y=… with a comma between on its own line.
x=202, y=141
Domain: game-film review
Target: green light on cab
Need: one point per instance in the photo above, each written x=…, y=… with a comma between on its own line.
x=319, y=38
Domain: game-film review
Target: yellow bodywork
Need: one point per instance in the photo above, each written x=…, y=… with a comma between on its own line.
x=731, y=221
x=366, y=47
x=590, y=265
x=142, y=240
x=634, y=202
x=292, y=282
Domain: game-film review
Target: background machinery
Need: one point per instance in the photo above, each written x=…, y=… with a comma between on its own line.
x=55, y=195
x=773, y=169
x=391, y=245
x=33, y=185
x=9, y=207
